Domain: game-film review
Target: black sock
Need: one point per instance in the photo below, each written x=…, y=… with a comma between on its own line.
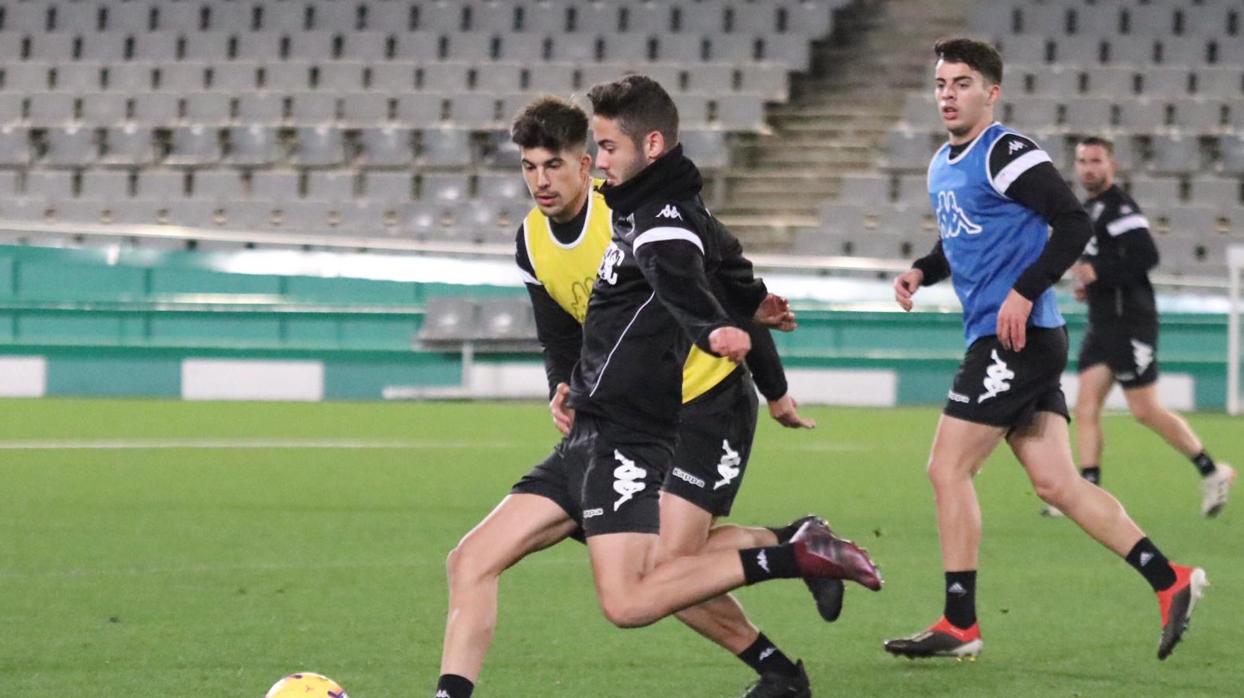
x=1152, y=564
x=785, y=533
x=774, y=562
x=453, y=686
x=765, y=658
x=1092, y=473
x=961, y=599
x=1204, y=464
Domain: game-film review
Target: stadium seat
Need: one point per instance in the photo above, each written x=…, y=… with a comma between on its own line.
x=1088, y=115
x=1142, y=115
x=863, y=187
x=260, y=108
x=106, y=185
x=274, y=185
x=130, y=144
x=505, y=186
x=445, y=147
x=52, y=109
x=338, y=76
x=318, y=146
x=506, y=319
x=161, y=185
x=155, y=109
x=1215, y=192
x=390, y=188
x=444, y=188
x=330, y=186
x=104, y=109
x=50, y=185
x=385, y=147
x=417, y=46
x=367, y=46
x=194, y=146
x=740, y=113
x=1154, y=193
x=221, y=186
x=208, y=108
x=128, y=78
x=253, y=145
x=1197, y=116
x=76, y=77
x=449, y=319
x=393, y=77
x=314, y=108
x=906, y=150
x=1231, y=148
x=1165, y=82
x=1174, y=155
x=72, y=146
x=706, y=147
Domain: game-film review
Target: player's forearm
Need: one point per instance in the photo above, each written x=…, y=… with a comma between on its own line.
x=765, y=363
x=934, y=266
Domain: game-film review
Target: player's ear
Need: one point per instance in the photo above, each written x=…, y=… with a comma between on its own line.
x=993, y=94
x=585, y=163
x=654, y=145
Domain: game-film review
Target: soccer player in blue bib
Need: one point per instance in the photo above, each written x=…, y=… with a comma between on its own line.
x=996, y=195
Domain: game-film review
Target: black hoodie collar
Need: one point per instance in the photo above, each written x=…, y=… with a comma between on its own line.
x=671, y=177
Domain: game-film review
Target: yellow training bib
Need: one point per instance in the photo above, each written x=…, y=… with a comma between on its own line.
x=568, y=272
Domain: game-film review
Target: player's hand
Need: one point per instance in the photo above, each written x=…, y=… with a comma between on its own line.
x=784, y=410
x=1013, y=321
x=1084, y=273
x=906, y=285
x=730, y=342
x=775, y=312
x=563, y=416
x=1079, y=292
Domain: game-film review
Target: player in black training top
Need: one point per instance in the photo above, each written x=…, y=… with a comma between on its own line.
x=652, y=298
x=1121, y=344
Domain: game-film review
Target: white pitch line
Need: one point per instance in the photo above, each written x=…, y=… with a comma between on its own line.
x=151, y=444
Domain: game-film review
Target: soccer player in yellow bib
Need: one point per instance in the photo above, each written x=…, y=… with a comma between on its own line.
x=561, y=250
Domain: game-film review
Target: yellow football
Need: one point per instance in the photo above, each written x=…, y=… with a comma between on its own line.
x=306, y=685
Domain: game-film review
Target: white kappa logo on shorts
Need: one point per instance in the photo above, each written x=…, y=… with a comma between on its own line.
x=1142, y=354
x=996, y=377
x=728, y=468
x=628, y=479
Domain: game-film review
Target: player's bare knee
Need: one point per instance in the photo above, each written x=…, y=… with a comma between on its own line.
x=1147, y=414
x=467, y=563
x=1087, y=413
x=626, y=611
x=1056, y=490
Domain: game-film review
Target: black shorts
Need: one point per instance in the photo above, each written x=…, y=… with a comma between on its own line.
x=715, y=436
x=1130, y=352
x=604, y=484
x=1004, y=388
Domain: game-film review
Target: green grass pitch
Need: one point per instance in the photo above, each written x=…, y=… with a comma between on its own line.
x=194, y=570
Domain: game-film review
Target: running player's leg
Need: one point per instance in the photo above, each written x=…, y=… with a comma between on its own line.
x=959, y=450
x=684, y=531
x=520, y=525
x=1042, y=449
x=1094, y=384
x=1216, y=478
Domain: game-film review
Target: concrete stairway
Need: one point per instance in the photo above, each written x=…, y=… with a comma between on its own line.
x=836, y=119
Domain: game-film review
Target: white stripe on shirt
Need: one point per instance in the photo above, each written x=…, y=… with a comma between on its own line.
x=1018, y=166
x=659, y=234
x=1122, y=225
x=528, y=278
x=601, y=375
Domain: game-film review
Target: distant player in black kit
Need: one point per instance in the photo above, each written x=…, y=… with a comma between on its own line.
x=650, y=301
x=1122, y=339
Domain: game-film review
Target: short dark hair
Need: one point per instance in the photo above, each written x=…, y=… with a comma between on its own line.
x=639, y=104
x=1099, y=141
x=978, y=55
x=551, y=123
